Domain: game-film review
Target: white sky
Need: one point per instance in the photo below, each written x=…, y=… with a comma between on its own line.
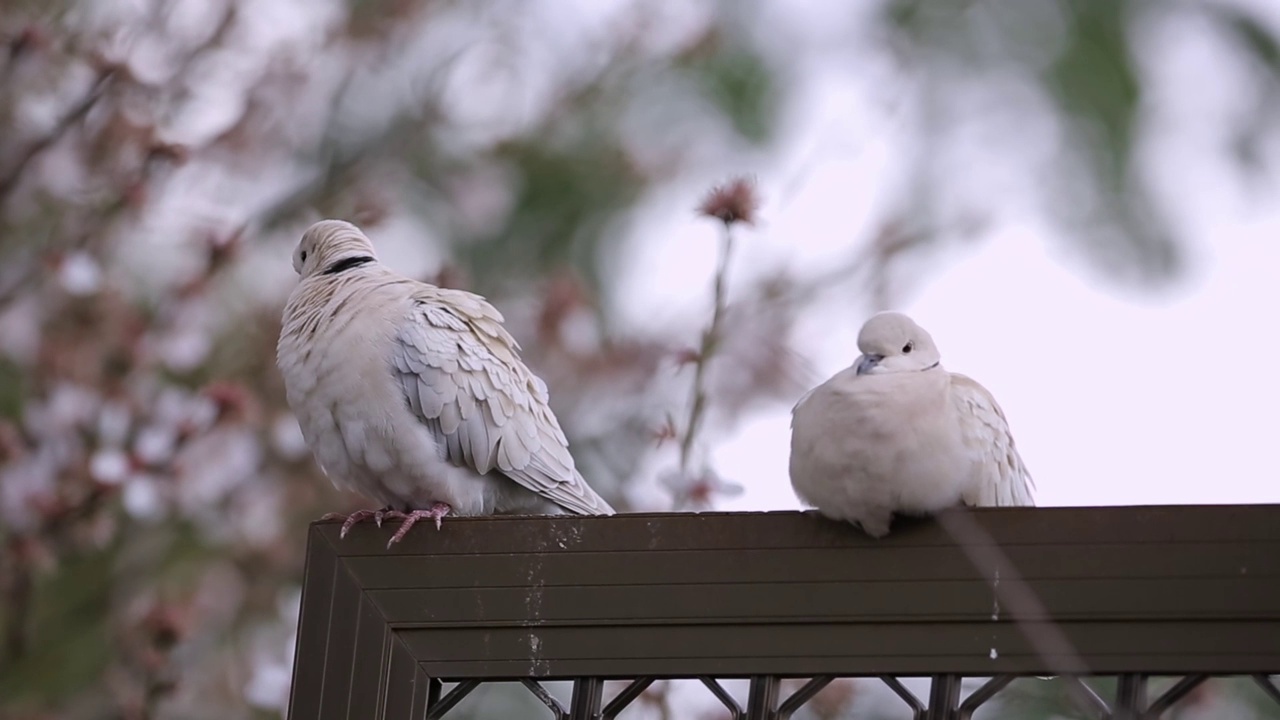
x=1112, y=401
x=1116, y=396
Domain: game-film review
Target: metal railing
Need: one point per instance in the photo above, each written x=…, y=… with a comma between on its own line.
x=1130, y=592
x=765, y=702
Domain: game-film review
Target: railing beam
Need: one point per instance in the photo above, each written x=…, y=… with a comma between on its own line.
x=1131, y=697
x=762, y=698
x=587, y=693
x=944, y=698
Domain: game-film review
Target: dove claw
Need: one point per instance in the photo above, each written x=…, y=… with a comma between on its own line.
x=348, y=521
x=436, y=512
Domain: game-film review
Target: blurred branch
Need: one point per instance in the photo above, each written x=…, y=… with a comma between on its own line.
x=710, y=339
x=17, y=595
x=9, y=181
x=219, y=33
x=733, y=203
x=869, y=263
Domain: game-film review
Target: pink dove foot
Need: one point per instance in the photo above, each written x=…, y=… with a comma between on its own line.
x=355, y=517
x=436, y=512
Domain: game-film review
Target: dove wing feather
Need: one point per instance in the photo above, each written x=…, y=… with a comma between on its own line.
x=460, y=375
x=1002, y=479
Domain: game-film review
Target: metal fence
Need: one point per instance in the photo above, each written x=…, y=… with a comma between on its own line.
x=1131, y=592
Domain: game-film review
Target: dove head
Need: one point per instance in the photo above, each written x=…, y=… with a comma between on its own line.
x=329, y=246
x=893, y=343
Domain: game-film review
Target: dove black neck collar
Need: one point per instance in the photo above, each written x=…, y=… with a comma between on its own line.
x=936, y=364
x=347, y=263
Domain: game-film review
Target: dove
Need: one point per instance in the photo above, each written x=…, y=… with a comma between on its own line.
x=896, y=433
x=415, y=395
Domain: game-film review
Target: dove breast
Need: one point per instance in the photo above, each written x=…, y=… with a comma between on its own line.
x=896, y=433
x=866, y=446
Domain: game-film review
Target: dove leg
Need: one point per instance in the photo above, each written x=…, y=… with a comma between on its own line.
x=357, y=516
x=436, y=512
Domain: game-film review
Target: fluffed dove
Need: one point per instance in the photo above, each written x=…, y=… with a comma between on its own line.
x=898, y=433
x=415, y=395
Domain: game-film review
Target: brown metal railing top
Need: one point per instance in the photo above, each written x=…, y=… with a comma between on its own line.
x=1127, y=591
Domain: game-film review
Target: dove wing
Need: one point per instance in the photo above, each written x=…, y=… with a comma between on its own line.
x=461, y=377
x=1003, y=479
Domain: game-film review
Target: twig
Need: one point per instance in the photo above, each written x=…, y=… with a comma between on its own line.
x=710, y=341
x=77, y=112
x=18, y=597
x=732, y=203
x=217, y=36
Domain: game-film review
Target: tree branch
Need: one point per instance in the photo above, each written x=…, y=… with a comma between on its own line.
x=9, y=181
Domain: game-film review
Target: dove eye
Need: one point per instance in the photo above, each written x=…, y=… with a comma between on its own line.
x=908, y=347
x=304, y=256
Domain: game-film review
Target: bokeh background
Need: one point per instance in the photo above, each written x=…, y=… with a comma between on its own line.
x=1077, y=198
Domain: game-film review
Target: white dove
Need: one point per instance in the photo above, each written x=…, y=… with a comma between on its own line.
x=415, y=395
x=897, y=433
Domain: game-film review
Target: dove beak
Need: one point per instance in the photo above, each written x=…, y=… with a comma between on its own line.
x=867, y=362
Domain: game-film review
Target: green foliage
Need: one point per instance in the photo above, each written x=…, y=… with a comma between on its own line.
x=742, y=86
x=1253, y=36
x=565, y=197
x=12, y=389
x=1097, y=89
x=1095, y=188
x=1095, y=83
x=1260, y=45
x=69, y=636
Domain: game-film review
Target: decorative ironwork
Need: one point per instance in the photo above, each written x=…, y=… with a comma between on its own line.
x=735, y=710
x=1180, y=592
x=983, y=694
x=624, y=698
x=802, y=696
x=1268, y=686
x=907, y=696
x=438, y=706
x=946, y=698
